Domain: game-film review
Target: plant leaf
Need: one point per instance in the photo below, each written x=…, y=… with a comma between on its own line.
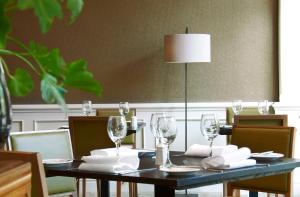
x=45, y=10
x=75, y=7
x=79, y=77
x=52, y=92
x=21, y=83
x=51, y=61
x=24, y=4
x=4, y=24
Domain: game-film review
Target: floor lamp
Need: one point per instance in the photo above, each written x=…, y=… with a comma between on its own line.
x=187, y=48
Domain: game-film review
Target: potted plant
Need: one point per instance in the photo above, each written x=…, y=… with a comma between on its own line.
x=55, y=74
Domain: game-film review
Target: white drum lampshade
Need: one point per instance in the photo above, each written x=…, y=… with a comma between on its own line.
x=187, y=48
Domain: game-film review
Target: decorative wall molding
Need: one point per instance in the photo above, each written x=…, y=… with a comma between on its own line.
x=45, y=117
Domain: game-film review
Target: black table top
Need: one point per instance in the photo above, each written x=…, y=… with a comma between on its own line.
x=150, y=175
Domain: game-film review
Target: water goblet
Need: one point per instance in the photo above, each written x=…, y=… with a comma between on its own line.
x=237, y=106
x=123, y=108
x=210, y=128
x=87, y=107
x=168, y=130
x=263, y=107
x=117, y=130
x=154, y=126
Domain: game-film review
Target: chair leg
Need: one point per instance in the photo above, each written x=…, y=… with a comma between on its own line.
x=77, y=186
x=237, y=193
x=98, y=184
x=83, y=187
x=119, y=188
x=288, y=194
x=130, y=189
x=135, y=189
x=229, y=190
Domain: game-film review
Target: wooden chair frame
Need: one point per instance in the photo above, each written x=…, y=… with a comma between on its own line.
x=230, y=188
x=37, y=169
x=282, y=118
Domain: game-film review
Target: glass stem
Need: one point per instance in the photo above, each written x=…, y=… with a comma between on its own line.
x=157, y=141
x=117, y=147
x=168, y=161
x=210, y=146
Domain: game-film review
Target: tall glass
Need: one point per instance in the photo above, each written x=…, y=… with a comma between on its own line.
x=117, y=130
x=154, y=126
x=263, y=107
x=87, y=107
x=210, y=128
x=123, y=108
x=168, y=130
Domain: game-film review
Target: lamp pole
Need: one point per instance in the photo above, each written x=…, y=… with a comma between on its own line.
x=185, y=97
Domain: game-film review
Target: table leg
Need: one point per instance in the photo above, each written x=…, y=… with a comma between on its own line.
x=104, y=188
x=253, y=194
x=163, y=191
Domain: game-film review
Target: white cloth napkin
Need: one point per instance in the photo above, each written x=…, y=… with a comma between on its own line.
x=106, y=160
x=123, y=151
x=236, y=159
x=198, y=150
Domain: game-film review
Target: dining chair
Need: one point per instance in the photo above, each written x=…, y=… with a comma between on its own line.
x=51, y=144
x=38, y=178
x=265, y=138
x=127, y=141
x=88, y=133
x=251, y=116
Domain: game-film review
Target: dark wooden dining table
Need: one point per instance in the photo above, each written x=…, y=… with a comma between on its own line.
x=165, y=184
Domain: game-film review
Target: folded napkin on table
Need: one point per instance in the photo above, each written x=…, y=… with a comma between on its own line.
x=236, y=159
x=198, y=150
x=123, y=151
x=106, y=160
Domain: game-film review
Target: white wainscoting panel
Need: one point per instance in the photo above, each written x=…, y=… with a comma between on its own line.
x=45, y=117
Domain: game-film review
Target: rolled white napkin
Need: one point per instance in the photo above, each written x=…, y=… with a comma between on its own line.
x=236, y=159
x=199, y=150
x=123, y=151
x=106, y=160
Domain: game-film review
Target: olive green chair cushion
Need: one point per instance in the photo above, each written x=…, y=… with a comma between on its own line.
x=114, y=112
x=88, y=133
x=51, y=145
x=260, y=139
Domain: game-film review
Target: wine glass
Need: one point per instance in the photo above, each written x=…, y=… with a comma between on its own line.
x=87, y=107
x=210, y=128
x=117, y=130
x=123, y=108
x=154, y=126
x=168, y=130
x=263, y=107
x=237, y=106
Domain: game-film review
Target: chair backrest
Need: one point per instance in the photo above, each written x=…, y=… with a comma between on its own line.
x=263, y=120
x=245, y=111
x=38, y=179
x=51, y=144
x=260, y=139
x=88, y=133
x=130, y=139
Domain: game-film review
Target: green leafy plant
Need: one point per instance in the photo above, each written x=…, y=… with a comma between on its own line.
x=55, y=74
